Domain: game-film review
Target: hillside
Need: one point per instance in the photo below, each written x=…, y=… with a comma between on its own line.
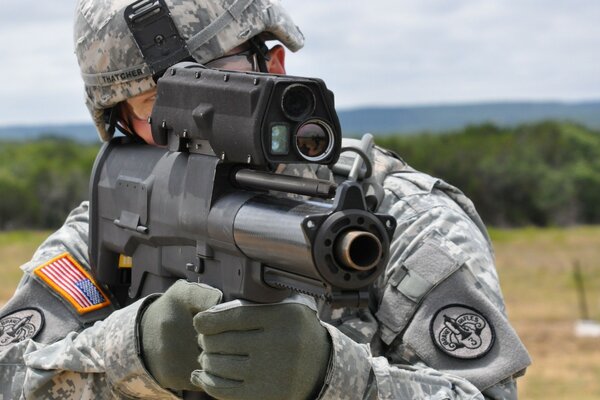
x=443, y=118
x=85, y=133
x=389, y=120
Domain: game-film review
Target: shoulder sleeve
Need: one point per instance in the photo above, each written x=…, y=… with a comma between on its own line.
x=436, y=327
x=94, y=350
x=355, y=373
x=102, y=361
x=440, y=298
x=58, y=285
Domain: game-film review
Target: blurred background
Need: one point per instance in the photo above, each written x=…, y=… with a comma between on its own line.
x=499, y=97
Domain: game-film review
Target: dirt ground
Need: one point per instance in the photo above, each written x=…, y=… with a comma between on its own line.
x=536, y=270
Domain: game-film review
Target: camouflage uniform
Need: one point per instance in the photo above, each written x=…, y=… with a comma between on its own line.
x=441, y=258
x=435, y=327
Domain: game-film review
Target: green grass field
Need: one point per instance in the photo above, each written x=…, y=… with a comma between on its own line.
x=536, y=271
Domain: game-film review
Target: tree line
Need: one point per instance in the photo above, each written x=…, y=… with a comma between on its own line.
x=42, y=180
x=539, y=174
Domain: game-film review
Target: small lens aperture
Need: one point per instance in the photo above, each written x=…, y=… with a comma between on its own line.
x=280, y=137
x=298, y=102
x=314, y=141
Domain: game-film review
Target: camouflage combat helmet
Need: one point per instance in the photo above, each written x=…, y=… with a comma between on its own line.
x=114, y=69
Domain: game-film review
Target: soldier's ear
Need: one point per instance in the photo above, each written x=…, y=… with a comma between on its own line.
x=276, y=63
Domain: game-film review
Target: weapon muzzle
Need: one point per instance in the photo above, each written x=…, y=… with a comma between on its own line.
x=359, y=250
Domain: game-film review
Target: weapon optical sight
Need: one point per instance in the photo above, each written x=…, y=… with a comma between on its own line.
x=246, y=117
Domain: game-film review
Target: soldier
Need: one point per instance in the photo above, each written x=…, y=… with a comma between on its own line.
x=435, y=327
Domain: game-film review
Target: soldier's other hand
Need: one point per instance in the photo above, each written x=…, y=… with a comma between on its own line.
x=261, y=351
x=169, y=341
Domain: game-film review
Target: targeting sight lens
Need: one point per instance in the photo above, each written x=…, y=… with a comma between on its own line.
x=314, y=140
x=298, y=102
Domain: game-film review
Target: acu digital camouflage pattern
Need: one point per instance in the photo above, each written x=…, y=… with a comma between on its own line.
x=103, y=361
x=113, y=68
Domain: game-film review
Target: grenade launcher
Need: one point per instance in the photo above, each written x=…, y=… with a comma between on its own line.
x=206, y=204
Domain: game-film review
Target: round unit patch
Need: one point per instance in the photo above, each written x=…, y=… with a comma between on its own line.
x=462, y=332
x=20, y=325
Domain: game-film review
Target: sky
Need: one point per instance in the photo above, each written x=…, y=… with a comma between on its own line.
x=370, y=53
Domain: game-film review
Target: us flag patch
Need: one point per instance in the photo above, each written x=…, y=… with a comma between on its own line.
x=73, y=282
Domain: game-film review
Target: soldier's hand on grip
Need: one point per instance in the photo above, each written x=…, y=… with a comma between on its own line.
x=168, y=338
x=262, y=351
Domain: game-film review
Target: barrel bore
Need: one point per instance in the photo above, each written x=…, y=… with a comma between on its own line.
x=359, y=250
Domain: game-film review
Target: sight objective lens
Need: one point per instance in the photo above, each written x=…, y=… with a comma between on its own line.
x=298, y=102
x=314, y=140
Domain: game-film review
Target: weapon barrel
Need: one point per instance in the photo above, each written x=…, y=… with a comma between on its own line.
x=271, y=232
x=358, y=250
x=341, y=251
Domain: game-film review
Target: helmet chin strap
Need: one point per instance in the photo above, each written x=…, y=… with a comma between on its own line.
x=111, y=119
x=111, y=116
x=262, y=53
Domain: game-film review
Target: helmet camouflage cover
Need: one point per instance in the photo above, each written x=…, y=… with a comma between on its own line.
x=113, y=68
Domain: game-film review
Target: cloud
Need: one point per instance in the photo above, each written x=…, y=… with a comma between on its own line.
x=381, y=52
x=390, y=52
x=26, y=12
x=39, y=76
